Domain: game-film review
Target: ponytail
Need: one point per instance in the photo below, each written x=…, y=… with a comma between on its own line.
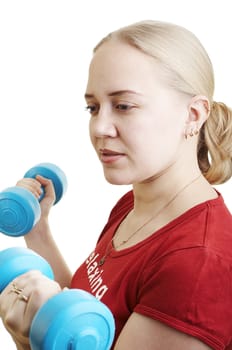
x=215, y=145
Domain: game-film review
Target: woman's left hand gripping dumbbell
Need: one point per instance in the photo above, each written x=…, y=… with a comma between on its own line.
x=19, y=302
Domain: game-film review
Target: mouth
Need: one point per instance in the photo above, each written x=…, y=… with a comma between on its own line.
x=109, y=156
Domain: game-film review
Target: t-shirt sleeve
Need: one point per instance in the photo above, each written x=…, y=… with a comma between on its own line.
x=191, y=291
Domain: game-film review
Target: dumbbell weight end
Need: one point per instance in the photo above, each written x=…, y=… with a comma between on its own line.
x=72, y=320
x=15, y=261
x=19, y=211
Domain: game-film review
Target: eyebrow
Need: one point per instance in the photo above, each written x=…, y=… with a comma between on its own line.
x=116, y=93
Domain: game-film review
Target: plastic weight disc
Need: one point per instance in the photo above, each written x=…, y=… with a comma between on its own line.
x=72, y=320
x=19, y=211
x=53, y=172
x=18, y=260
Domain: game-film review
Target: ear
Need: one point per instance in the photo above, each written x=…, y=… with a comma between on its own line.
x=198, y=112
x=199, y=109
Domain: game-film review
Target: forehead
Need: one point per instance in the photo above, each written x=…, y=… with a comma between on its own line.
x=119, y=65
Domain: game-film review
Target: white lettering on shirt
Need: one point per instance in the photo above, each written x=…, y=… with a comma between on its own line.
x=95, y=276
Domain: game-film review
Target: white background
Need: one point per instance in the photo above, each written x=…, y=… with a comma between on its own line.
x=45, y=49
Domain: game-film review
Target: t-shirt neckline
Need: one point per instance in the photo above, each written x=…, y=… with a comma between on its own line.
x=170, y=225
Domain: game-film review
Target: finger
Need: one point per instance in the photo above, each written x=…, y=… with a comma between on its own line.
x=36, y=291
x=21, y=299
x=28, y=181
x=48, y=186
x=31, y=185
x=13, y=310
x=28, y=277
x=7, y=301
x=45, y=182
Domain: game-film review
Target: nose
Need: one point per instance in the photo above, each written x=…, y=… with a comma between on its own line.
x=103, y=125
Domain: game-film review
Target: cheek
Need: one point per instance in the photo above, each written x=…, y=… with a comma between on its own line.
x=91, y=134
x=156, y=148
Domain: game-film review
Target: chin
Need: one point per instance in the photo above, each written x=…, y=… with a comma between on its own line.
x=113, y=180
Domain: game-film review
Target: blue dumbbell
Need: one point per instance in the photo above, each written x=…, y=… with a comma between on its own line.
x=70, y=320
x=20, y=209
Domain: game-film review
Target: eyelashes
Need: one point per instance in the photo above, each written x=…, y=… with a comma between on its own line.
x=118, y=107
x=91, y=109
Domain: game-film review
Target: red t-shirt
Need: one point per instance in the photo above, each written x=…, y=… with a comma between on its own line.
x=181, y=275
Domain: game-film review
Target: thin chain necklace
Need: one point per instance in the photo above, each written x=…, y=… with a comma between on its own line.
x=110, y=247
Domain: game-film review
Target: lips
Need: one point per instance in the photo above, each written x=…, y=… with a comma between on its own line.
x=109, y=152
x=109, y=156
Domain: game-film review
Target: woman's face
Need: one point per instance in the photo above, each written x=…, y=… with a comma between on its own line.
x=137, y=123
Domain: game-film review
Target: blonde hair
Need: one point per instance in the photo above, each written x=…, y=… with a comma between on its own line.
x=189, y=70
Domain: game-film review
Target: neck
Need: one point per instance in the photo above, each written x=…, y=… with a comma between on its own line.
x=159, y=189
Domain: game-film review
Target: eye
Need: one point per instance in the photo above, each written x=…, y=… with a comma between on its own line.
x=124, y=107
x=92, y=109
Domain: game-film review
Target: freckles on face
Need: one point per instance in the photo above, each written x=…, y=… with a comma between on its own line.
x=134, y=112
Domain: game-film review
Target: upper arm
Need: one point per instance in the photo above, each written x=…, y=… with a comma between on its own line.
x=141, y=332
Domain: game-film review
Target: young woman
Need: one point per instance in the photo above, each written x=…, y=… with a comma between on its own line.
x=163, y=262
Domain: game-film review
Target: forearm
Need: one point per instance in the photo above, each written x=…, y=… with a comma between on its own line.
x=21, y=344
x=40, y=240
x=22, y=347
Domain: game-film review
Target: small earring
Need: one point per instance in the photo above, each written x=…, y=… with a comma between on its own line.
x=191, y=133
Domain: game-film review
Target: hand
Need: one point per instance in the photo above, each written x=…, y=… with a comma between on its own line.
x=20, y=300
x=35, y=187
